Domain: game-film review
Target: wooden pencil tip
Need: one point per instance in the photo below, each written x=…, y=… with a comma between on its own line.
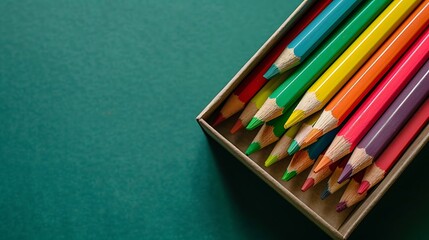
x=237, y=126
x=325, y=161
x=364, y=186
x=271, y=160
x=273, y=71
x=253, y=147
x=309, y=182
x=295, y=117
x=293, y=148
x=289, y=175
x=254, y=123
x=312, y=136
x=218, y=120
x=341, y=206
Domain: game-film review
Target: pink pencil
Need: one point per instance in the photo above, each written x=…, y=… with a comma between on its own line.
x=374, y=106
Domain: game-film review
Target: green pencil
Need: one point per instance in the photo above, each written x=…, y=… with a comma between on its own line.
x=270, y=132
x=298, y=83
x=280, y=149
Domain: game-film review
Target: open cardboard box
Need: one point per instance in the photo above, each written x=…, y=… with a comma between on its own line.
x=321, y=212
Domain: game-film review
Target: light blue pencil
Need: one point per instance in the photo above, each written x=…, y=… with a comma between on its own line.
x=312, y=36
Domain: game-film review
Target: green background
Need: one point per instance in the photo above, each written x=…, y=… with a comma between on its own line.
x=97, y=132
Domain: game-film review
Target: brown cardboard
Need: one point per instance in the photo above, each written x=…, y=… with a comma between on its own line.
x=321, y=212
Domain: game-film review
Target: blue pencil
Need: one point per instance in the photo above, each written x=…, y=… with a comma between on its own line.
x=312, y=36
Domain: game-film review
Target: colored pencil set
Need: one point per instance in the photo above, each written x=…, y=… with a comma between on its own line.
x=345, y=92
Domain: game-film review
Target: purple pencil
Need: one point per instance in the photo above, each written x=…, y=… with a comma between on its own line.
x=395, y=117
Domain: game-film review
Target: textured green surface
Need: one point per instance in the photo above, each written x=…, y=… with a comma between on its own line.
x=97, y=130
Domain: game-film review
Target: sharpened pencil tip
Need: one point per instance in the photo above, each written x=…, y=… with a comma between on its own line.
x=312, y=136
x=289, y=175
x=253, y=147
x=254, y=123
x=325, y=161
x=273, y=71
x=295, y=117
x=325, y=194
x=309, y=182
x=364, y=186
x=293, y=148
x=271, y=160
x=237, y=126
x=346, y=173
x=218, y=120
x=341, y=206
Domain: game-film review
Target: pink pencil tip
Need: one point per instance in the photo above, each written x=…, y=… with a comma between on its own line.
x=307, y=184
x=364, y=186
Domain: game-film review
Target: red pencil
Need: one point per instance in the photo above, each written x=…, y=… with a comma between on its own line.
x=255, y=80
x=376, y=172
x=314, y=178
x=374, y=106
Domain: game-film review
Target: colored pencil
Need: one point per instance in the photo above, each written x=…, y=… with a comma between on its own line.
x=371, y=72
x=303, y=159
x=376, y=172
x=269, y=133
x=332, y=185
x=300, y=161
x=350, y=196
x=302, y=132
x=280, y=149
x=257, y=101
x=389, y=124
x=296, y=85
x=312, y=36
x=254, y=81
x=314, y=178
x=377, y=102
x=318, y=95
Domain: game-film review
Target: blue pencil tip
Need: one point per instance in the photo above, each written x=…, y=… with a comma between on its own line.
x=293, y=148
x=271, y=72
x=345, y=174
x=325, y=194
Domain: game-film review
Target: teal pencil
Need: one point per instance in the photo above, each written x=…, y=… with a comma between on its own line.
x=312, y=36
x=297, y=84
x=306, y=127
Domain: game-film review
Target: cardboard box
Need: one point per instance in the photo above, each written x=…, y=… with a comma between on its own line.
x=321, y=212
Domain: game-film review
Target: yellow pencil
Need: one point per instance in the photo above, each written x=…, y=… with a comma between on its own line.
x=319, y=94
x=257, y=101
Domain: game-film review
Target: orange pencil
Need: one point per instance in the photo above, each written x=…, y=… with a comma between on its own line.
x=373, y=70
x=378, y=101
